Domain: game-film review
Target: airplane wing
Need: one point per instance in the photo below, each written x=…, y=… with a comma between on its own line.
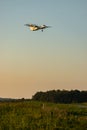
x=31, y=25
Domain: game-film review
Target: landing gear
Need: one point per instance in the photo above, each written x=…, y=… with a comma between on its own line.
x=42, y=30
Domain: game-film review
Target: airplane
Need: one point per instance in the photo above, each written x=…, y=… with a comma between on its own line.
x=34, y=27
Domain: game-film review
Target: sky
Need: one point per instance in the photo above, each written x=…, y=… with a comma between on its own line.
x=40, y=61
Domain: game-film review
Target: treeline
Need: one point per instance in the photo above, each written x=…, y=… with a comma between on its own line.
x=14, y=100
x=61, y=96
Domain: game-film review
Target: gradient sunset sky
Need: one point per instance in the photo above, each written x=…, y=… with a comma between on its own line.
x=39, y=61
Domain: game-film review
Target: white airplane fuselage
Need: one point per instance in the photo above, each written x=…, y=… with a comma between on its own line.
x=34, y=28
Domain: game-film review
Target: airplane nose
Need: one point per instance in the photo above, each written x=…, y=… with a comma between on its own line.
x=26, y=24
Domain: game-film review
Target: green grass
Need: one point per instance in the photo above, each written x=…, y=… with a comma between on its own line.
x=32, y=115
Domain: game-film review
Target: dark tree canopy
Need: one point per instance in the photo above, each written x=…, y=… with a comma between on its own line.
x=61, y=96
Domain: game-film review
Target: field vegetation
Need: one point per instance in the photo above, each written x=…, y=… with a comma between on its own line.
x=33, y=115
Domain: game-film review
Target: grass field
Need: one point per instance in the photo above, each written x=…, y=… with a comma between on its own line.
x=31, y=115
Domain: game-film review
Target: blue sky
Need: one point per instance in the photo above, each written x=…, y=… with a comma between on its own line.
x=36, y=61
